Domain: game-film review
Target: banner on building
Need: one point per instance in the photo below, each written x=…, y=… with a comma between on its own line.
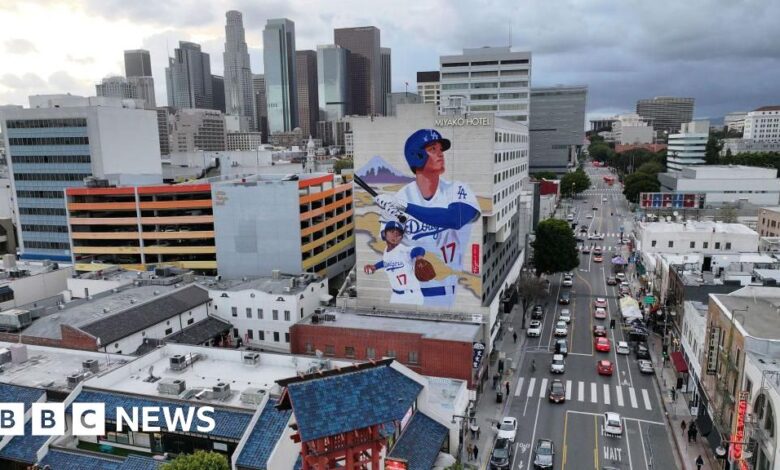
x=671, y=200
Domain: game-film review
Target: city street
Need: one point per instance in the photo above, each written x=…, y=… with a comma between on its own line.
x=577, y=425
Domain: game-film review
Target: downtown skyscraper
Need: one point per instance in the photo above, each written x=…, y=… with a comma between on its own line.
x=188, y=78
x=239, y=99
x=365, y=68
x=280, y=79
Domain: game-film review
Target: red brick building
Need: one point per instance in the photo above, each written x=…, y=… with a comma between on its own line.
x=433, y=348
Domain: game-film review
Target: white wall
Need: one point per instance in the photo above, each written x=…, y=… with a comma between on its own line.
x=129, y=142
x=129, y=344
x=38, y=287
x=6, y=206
x=79, y=287
x=740, y=242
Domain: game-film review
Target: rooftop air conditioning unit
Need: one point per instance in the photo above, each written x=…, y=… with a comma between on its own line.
x=252, y=396
x=221, y=391
x=171, y=386
x=252, y=358
x=75, y=379
x=91, y=365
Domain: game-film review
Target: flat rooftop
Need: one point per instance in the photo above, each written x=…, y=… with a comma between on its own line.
x=268, y=284
x=763, y=310
x=696, y=226
x=33, y=268
x=449, y=331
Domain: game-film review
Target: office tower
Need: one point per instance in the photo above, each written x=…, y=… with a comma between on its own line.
x=144, y=90
x=488, y=79
x=188, y=77
x=163, y=129
x=687, y=148
x=666, y=113
x=261, y=108
x=429, y=86
x=763, y=124
x=218, y=92
x=198, y=129
x=57, y=143
x=386, y=78
x=280, y=84
x=138, y=63
x=239, y=99
x=308, y=100
x=557, y=127
x=115, y=87
x=332, y=82
x=365, y=68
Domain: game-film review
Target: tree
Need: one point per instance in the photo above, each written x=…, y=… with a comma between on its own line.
x=555, y=249
x=650, y=168
x=531, y=290
x=728, y=214
x=545, y=175
x=637, y=183
x=600, y=151
x=574, y=182
x=343, y=164
x=712, y=150
x=200, y=460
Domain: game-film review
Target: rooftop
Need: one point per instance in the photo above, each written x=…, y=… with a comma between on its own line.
x=16, y=269
x=696, y=226
x=768, y=108
x=763, y=310
x=284, y=284
x=263, y=437
x=420, y=442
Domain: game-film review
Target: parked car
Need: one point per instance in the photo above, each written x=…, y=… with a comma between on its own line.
x=602, y=344
x=537, y=313
x=604, y=367
x=620, y=277
x=600, y=302
x=544, y=453
x=570, y=217
x=501, y=458
x=565, y=315
x=600, y=313
x=611, y=281
x=561, y=329
x=613, y=424
x=507, y=429
x=557, y=365
x=556, y=392
x=534, y=329
x=642, y=351
x=564, y=298
x=622, y=348
x=645, y=366
x=561, y=347
x=599, y=330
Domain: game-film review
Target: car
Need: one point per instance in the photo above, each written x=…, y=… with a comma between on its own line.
x=602, y=344
x=561, y=329
x=589, y=216
x=638, y=334
x=544, y=453
x=595, y=208
x=599, y=330
x=600, y=302
x=537, y=313
x=603, y=199
x=613, y=424
x=642, y=351
x=501, y=458
x=583, y=230
x=556, y=392
x=604, y=367
x=570, y=218
x=598, y=258
x=568, y=281
x=645, y=366
x=620, y=277
x=561, y=347
x=534, y=329
x=579, y=239
x=557, y=365
x=565, y=315
x=595, y=236
x=585, y=250
x=600, y=313
x=597, y=250
x=622, y=347
x=507, y=429
x=564, y=298
x=625, y=291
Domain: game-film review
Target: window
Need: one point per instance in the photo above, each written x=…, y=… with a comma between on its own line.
x=190, y=321
x=309, y=348
x=330, y=350
x=390, y=353
x=261, y=335
x=652, y=243
x=349, y=351
x=706, y=245
x=693, y=244
x=260, y=313
x=234, y=311
x=413, y=359
x=276, y=336
x=250, y=334
x=287, y=337
x=728, y=245
x=168, y=331
x=671, y=244
x=286, y=315
x=275, y=314
x=717, y=245
x=370, y=353
x=249, y=312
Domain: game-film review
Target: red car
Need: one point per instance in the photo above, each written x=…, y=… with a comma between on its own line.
x=599, y=330
x=600, y=313
x=600, y=302
x=602, y=344
x=604, y=367
x=598, y=259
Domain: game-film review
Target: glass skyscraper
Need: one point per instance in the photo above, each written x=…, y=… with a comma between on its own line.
x=239, y=99
x=332, y=81
x=188, y=77
x=280, y=80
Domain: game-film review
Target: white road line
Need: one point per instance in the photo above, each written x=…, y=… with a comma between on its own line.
x=606, y=394
x=568, y=390
x=533, y=435
x=531, y=384
x=641, y=438
x=646, y=398
x=581, y=391
x=619, y=393
x=628, y=443
x=593, y=395
x=632, y=396
x=519, y=386
x=543, y=387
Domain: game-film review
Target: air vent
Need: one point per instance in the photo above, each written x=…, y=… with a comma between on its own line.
x=220, y=391
x=252, y=396
x=252, y=358
x=171, y=386
x=91, y=365
x=75, y=379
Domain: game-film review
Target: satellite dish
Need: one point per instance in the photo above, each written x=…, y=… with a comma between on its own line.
x=675, y=213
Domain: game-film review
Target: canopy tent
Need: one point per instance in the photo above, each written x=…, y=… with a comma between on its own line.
x=619, y=260
x=629, y=308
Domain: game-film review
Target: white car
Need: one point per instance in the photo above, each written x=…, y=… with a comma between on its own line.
x=596, y=236
x=620, y=277
x=603, y=199
x=613, y=425
x=589, y=216
x=622, y=348
x=570, y=217
x=568, y=281
x=565, y=315
x=534, y=328
x=561, y=329
x=558, y=365
x=507, y=429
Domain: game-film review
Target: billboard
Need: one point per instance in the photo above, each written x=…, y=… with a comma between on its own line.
x=671, y=200
x=419, y=212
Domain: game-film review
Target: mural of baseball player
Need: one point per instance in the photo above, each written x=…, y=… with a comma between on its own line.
x=403, y=265
x=439, y=212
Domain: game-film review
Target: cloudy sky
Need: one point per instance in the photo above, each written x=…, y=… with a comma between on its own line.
x=724, y=53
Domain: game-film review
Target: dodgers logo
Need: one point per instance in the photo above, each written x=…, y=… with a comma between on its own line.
x=417, y=230
x=461, y=193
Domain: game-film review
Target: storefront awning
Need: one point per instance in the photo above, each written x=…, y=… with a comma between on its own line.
x=679, y=362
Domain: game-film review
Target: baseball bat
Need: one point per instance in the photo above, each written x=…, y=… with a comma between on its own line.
x=373, y=193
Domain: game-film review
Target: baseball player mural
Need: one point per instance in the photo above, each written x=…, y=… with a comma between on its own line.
x=437, y=218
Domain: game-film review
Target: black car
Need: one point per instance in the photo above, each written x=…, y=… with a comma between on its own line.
x=537, y=313
x=564, y=298
x=556, y=392
x=561, y=347
x=544, y=453
x=642, y=351
x=501, y=458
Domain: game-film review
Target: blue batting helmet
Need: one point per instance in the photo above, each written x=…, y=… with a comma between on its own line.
x=414, y=149
x=392, y=225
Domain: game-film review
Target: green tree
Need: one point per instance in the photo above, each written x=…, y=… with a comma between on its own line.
x=200, y=460
x=546, y=175
x=575, y=182
x=650, y=168
x=728, y=214
x=555, y=249
x=712, y=150
x=637, y=183
x=531, y=290
x=600, y=151
x=343, y=164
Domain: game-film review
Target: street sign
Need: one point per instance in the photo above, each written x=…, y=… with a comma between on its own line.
x=649, y=300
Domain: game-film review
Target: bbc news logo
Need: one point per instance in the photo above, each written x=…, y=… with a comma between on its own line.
x=48, y=419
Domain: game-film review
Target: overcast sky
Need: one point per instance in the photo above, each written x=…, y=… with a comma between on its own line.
x=724, y=53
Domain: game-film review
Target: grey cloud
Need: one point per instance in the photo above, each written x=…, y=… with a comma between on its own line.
x=20, y=46
x=179, y=13
x=80, y=60
x=62, y=82
x=27, y=81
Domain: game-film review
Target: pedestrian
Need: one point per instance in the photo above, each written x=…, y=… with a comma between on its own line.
x=506, y=384
x=612, y=324
x=514, y=336
x=690, y=434
x=476, y=452
x=470, y=450
x=673, y=390
x=682, y=426
x=478, y=430
x=496, y=376
x=699, y=462
x=694, y=434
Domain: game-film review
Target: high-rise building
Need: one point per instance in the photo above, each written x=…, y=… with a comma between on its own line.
x=631, y=129
x=138, y=63
x=429, y=86
x=488, y=79
x=308, y=99
x=332, y=82
x=261, y=108
x=735, y=121
x=197, y=129
x=188, y=77
x=666, y=113
x=163, y=129
x=687, y=148
x=144, y=89
x=218, y=92
x=59, y=142
x=763, y=124
x=365, y=68
x=239, y=96
x=386, y=78
x=280, y=83
x=557, y=127
x=115, y=87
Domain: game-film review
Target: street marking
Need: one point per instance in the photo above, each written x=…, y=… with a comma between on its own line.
x=565, y=427
x=632, y=396
x=596, y=444
x=581, y=391
x=593, y=395
x=606, y=394
x=543, y=388
x=568, y=390
x=646, y=398
x=628, y=443
x=519, y=386
x=619, y=391
x=531, y=384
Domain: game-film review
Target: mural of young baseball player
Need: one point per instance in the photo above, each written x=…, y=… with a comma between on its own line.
x=438, y=218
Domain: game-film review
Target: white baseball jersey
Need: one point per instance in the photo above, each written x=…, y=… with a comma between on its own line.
x=447, y=244
x=399, y=266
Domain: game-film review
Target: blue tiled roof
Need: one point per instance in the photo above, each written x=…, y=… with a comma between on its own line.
x=420, y=443
x=264, y=437
x=16, y=394
x=229, y=424
x=58, y=459
x=331, y=405
x=136, y=462
x=24, y=448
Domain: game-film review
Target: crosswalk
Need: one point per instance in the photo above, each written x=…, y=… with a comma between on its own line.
x=603, y=191
x=622, y=396
x=608, y=248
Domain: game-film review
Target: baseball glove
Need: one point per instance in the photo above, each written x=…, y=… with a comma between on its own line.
x=423, y=270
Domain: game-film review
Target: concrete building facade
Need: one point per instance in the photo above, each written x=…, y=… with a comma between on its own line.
x=631, y=128
x=386, y=77
x=666, y=113
x=138, y=63
x=429, y=86
x=280, y=77
x=695, y=237
x=261, y=107
x=557, y=127
x=725, y=184
x=688, y=147
x=197, y=129
x=763, y=124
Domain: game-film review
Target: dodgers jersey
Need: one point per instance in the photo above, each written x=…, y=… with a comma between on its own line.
x=399, y=265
